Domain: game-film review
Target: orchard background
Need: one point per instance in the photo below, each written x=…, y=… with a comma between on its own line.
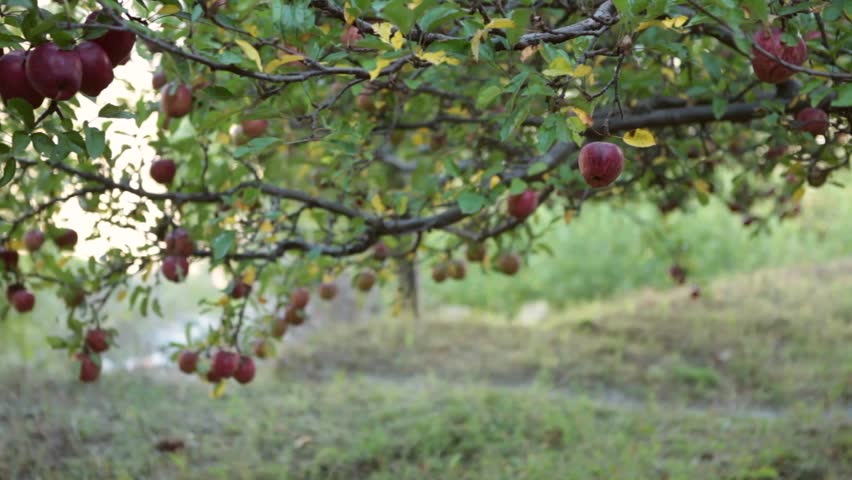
x=425, y=239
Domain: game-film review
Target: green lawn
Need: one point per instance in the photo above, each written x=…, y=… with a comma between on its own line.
x=752, y=381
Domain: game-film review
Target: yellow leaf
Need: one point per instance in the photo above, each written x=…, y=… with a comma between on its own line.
x=249, y=275
x=582, y=70
x=218, y=390
x=282, y=60
x=121, y=295
x=383, y=30
x=414, y=4
x=403, y=205
x=582, y=115
x=647, y=25
x=348, y=17
x=437, y=58
x=500, y=23
x=675, y=22
x=252, y=29
x=397, y=41
x=668, y=73
x=529, y=51
x=261, y=300
x=495, y=180
x=223, y=300
x=169, y=10
x=266, y=227
x=701, y=185
x=798, y=194
x=660, y=160
x=569, y=215
x=250, y=52
x=457, y=110
x=474, y=43
x=377, y=203
x=560, y=66
x=15, y=245
x=640, y=138
x=380, y=64
x=62, y=261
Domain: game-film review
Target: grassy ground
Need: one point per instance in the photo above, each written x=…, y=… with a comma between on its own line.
x=752, y=381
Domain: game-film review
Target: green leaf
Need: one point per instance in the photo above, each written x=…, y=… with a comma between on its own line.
x=42, y=143
x=397, y=13
x=22, y=110
x=471, y=202
x=95, y=142
x=222, y=245
x=487, y=95
x=8, y=171
x=114, y=111
x=536, y=168
x=56, y=342
x=720, y=106
x=844, y=96
x=517, y=186
x=255, y=146
x=20, y=141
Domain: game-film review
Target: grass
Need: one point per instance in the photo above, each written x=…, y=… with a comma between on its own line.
x=351, y=428
x=777, y=337
x=751, y=382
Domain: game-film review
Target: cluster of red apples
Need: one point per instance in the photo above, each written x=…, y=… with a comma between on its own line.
x=49, y=71
x=17, y=294
x=600, y=164
x=770, y=70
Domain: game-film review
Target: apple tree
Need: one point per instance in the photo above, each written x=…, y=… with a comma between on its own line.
x=300, y=139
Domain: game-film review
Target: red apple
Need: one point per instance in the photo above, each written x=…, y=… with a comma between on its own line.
x=279, y=326
x=678, y=274
x=179, y=242
x=9, y=259
x=97, y=68
x=476, y=252
x=74, y=297
x=90, y=370
x=65, y=239
x=440, y=272
x=175, y=268
x=213, y=377
x=163, y=170
x=351, y=36
x=769, y=70
x=381, y=251
x=188, y=361
x=299, y=297
x=13, y=79
x=327, y=290
x=365, y=280
x=509, y=263
x=261, y=348
x=294, y=316
x=23, y=300
x=12, y=289
x=254, y=128
x=33, y=240
x=176, y=100
x=225, y=363
x=118, y=44
x=812, y=120
x=523, y=204
x=159, y=79
x=245, y=370
x=457, y=269
x=53, y=72
x=240, y=289
x=97, y=340
x=601, y=163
